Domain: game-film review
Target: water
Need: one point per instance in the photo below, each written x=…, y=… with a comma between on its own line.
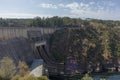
x=96, y=77
x=112, y=77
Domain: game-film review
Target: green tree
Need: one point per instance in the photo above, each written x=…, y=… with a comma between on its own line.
x=16, y=77
x=23, y=68
x=7, y=68
x=23, y=72
x=42, y=78
x=28, y=77
x=87, y=77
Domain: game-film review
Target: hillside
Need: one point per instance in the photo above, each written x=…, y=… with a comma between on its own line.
x=93, y=47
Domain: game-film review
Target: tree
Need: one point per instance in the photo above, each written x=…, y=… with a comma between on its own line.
x=28, y=77
x=23, y=72
x=23, y=68
x=87, y=77
x=42, y=78
x=7, y=68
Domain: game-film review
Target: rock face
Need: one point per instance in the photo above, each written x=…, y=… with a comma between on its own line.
x=17, y=49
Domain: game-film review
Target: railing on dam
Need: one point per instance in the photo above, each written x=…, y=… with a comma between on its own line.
x=11, y=32
x=40, y=43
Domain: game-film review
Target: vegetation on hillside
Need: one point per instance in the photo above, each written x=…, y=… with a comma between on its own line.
x=93, y=47
x=54, y=22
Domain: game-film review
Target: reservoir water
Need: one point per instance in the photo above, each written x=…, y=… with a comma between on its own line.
x=101, y=76
x=112, y=77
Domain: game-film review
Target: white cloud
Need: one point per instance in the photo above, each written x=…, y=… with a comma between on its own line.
x=73, y=5
x=78, y=8
x=89, y=10
x=61, y=5
x=43, y=5
x=92, y=3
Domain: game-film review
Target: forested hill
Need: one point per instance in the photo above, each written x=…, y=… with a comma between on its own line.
x=54, y=22
x=95, y=47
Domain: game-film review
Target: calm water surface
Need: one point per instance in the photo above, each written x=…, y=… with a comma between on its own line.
x=112, y=77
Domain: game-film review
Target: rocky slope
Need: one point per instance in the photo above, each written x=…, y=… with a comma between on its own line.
x=87, y=49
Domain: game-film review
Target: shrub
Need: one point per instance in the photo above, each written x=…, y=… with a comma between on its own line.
x=28, y=77
x=23, y=68
x=42, y=78
x=87, y=77
x=17, y=77
x=7, y=68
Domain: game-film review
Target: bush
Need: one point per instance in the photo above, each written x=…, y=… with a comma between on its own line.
x=42, y=78
x=28, y=77
x=87, y=77
x=17, y=77
x=7, y=68
x=23, y=68
x=23, y=72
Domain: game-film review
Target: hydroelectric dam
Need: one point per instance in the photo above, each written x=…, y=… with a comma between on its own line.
x=27, y=44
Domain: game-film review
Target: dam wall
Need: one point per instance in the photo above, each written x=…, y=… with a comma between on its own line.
x=18, y=42
x=17, y=49
x=13, y=32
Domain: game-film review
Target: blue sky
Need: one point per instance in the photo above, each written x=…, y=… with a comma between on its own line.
x=100, y=9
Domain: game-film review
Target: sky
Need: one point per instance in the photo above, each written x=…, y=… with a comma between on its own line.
x=98, y=9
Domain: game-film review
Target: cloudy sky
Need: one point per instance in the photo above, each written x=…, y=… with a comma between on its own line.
x=100, y=9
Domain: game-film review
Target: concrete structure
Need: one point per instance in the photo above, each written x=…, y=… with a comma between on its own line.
x=28, y=44
x=17, y=49
x=12, y=32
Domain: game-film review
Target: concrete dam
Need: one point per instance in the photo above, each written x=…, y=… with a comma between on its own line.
x=17, y=49
x=27, y=44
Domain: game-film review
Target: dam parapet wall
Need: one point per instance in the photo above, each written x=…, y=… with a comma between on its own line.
x=13, y=32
